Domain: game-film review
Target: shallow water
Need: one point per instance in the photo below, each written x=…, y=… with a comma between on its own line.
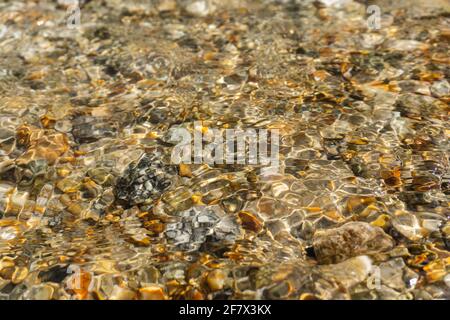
x=93, y=207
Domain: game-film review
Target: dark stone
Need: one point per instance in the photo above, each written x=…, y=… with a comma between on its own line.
x=54, y=274
x=144, y=181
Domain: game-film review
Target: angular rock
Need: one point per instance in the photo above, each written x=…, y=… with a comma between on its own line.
x=196, y=224
x=144, y=181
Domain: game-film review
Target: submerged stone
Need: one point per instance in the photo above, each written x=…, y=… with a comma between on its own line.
x=351, y=239
x=144, y=181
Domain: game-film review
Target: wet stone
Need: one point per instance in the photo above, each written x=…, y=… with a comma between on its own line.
x=351, y=239
x=349, y=272
x=195, y=226
x=440, y=88
x=87, y=129
x=144, y=181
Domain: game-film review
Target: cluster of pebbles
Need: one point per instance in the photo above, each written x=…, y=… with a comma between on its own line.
x=91, y=207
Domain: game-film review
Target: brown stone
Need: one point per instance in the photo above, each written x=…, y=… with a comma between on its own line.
x=350, y=240
x=250, y=222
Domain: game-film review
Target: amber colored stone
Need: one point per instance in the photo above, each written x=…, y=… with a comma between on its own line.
x=79, y=283
x=435, y=270
x=391, y=177
x=359, y=141
x=313, y=209
x=7, y=267
x=334, y=215
x=419, y=260
x=320, y=75
x=195, y=294
x=152, y=293
x=185, y=170
x=68, y=185
x=197, y=199
x=250, y=222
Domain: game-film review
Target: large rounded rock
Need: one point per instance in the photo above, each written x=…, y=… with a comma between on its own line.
x=350, y=240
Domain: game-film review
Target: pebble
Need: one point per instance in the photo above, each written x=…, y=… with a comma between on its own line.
x=40, y=292
x=440, y=89
x=19, y=275
x=8, y=233
x=120, y=293
x=152, y=293
x=195, y=225
x=216, y=280
x=406, y=45
x=391, y=273
x=250, y=222
x=349, y=272
x=408, y=225
x=200, y=8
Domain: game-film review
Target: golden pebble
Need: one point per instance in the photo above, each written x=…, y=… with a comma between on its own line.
x=185, y=170
x=75, y=209
x=308, y=296
x=216, y=280
x=446, y=230
x=197, y=199
x=152, y=293
x=381, y=221
x=104, y=266
x=64, y=259
x=63, y=172
x=313, y=209
x=152, y=135
x=141, y=240
x=20, y=273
